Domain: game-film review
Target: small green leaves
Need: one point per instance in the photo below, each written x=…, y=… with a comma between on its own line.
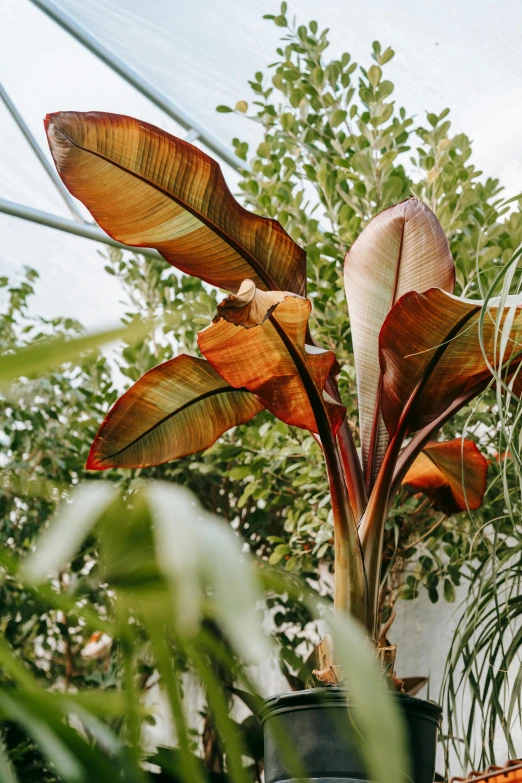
x=379, y=56
x=317, y=76
x=374, y=75
x=392, y=191
x=338, y=116
x=386, y=56
x=224, y=109
x=449, y=591
x=281, y=551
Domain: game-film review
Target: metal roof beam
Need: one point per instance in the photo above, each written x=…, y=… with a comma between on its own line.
x=85, y=230
x=137, y=81
x=40, y=154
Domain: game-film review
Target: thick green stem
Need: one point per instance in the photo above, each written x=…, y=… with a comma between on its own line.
x=350, y=580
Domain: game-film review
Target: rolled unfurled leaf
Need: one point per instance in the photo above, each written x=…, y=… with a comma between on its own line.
x=453, y=474
x=250, y=306
x=431, y=353
x=271, y=359
x=147, y=188
x=402, y=249
x=175, y=409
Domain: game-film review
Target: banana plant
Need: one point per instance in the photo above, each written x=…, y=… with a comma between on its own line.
x=420, y=352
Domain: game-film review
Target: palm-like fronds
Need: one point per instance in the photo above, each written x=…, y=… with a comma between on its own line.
x=482, y=686
x=483, y=676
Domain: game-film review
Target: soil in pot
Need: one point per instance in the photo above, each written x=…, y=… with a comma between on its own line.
x=316, y=726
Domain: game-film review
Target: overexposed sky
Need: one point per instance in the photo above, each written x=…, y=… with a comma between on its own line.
x=464, y=54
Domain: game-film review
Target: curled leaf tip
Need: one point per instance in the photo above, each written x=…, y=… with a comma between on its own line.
x=250, y=306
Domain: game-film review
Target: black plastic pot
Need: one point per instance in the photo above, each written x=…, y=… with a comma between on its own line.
x=316, y=726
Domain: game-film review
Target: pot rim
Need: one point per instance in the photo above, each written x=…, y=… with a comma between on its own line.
x=337, y=697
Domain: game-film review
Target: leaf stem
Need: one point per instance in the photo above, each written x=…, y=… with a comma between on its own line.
x=350, y=590
x=350, y=460
x=371, y=530
x=372, y=525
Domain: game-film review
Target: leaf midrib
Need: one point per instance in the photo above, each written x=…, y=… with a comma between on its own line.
x=161, y=422
x=376, y=424
x=258, y=269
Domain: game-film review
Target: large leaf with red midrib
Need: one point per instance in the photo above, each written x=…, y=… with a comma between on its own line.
x=147, y=188
x=175, y=409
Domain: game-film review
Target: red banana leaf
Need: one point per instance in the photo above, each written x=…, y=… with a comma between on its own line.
x=258, y=343
x=175, y=409
x=402, y=249
x=453, y=474
x=147, y=188
x=431, y=354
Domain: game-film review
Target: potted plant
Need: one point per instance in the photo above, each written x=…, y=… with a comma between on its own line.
x=420, y=355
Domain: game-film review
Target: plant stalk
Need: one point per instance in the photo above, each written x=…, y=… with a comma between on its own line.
x=350, y=582
x=350, y=592
x=371, y=531
x=353, y=474
x=351, y=463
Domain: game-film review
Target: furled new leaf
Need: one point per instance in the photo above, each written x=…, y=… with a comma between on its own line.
x=402, y=249
x=453, y=474
x=147, y=188
x=431, y=353
x=267, y=355
x=175, y=409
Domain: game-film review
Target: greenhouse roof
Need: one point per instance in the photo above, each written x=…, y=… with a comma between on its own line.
x=172, y=63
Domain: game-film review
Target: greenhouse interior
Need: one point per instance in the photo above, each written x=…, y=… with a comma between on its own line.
x=260, y=391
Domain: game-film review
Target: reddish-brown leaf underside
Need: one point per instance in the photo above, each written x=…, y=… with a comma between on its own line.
x=430, y=355
x=453, y=474
x=147, y=188
x=177, y=408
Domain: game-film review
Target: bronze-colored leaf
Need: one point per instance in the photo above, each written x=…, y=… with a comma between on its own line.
x=402, y=249
x=271, y=359
x=453, y=474
x=147, y=188
x=175, y=409
x=431, y=353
